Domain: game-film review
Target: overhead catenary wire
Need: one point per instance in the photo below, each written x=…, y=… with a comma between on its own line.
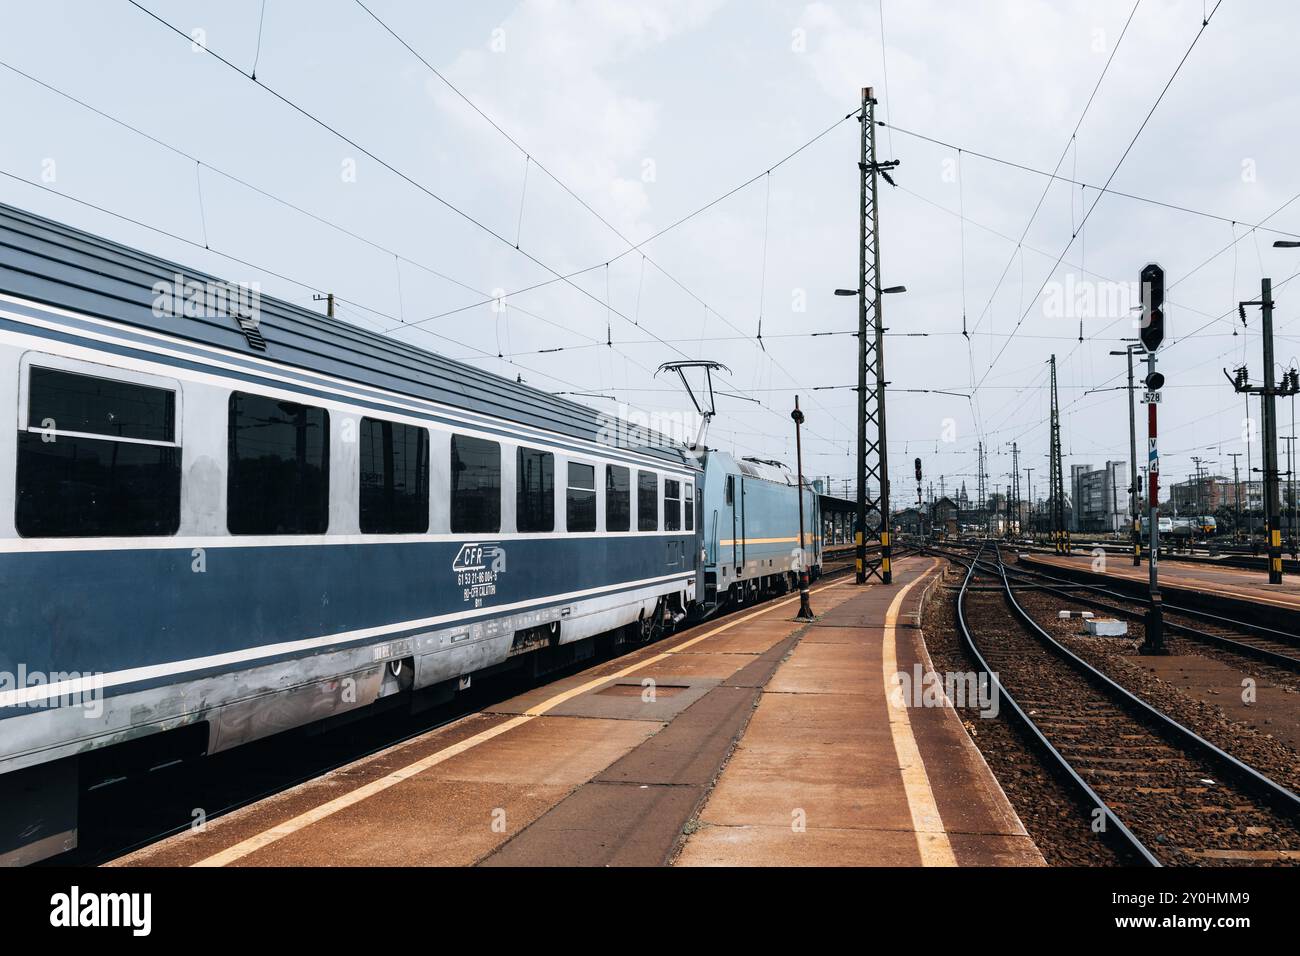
x=567, y=279
x=632, y=247
x=257, y=54
x=301, y=210
x=229, y=256
x=1114, y=172
x=437, y=197
x=1043, y=196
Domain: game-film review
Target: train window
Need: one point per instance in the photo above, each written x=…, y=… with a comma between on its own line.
x=394, y=478
x=688, y=499
x=647, y=501
x=672, y=505
x=731, y=489
x=475, y=485
x=279, y=467
x=581, y=497
x=618, y=499
x=535, y=490
x=97, y=458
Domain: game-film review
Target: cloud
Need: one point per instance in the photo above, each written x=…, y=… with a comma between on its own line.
x=566, y=100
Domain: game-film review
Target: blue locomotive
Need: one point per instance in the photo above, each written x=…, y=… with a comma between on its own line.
x=223, y=515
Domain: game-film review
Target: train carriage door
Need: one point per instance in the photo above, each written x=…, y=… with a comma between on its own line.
x=733, y=506
x=740, y=505
x=818, y=524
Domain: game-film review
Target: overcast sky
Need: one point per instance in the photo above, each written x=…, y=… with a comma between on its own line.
x=647, y=110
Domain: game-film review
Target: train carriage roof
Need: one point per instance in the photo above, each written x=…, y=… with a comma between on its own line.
x=49, y=262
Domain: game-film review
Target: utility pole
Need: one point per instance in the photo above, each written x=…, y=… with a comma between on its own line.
x=1293, y=545
x=1006, y=532
x=1015, y=479
x=1290, y=490
x=873, y=457
x=329, y=302
x=1060, y=535
x=1236, y=494
x=1114, y=497
x=1134, y=489
x=1250, y=470
x=1200, y=501
x=1029, y=485
x=1268, y=400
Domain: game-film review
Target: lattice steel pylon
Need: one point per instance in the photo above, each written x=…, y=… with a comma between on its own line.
x=1060, y=533
x=873, y=456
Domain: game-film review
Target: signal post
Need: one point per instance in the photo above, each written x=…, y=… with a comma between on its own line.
x=1152, y=333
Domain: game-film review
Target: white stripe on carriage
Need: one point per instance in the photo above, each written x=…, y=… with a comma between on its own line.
x=132, y=675
x=232, y=541
x=352, y=391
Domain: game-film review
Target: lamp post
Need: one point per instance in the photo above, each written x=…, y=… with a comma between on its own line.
x=805, y=609
x=860, y=537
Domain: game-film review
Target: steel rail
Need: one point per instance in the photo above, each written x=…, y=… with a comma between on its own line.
x=1283, y=799
x=1254, y=630
x=1250, y=650
x=1115, y=829
x=1209, y=617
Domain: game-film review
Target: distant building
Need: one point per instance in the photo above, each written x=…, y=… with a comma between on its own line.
x=1100, y=497
x=945, y=515
x=1213, y=492
x=910, y=521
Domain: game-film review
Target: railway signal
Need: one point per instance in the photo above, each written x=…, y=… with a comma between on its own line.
x=919, y=504
x=1151, y=334
x=1153, y=307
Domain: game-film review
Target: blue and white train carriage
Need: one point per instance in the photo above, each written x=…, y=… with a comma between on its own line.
x=223, y=517
x=248, y=526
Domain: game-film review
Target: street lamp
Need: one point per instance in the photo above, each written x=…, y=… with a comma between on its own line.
x=890, y=291
x=805, y=609
x=860, y=542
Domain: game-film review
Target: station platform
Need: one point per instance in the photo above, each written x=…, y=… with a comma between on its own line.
x=756, y=739
x=1237, y=584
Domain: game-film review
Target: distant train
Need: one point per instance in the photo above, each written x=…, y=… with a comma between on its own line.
x=1164, y=524
x=222, y=516
x=1200, y=526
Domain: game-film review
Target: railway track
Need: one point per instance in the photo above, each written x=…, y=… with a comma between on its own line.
x=1258, y=641
x=1160, y=792
x=1247, y=638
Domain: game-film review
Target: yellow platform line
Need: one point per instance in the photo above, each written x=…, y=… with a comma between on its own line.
x=931, y=836
x=364, y=792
